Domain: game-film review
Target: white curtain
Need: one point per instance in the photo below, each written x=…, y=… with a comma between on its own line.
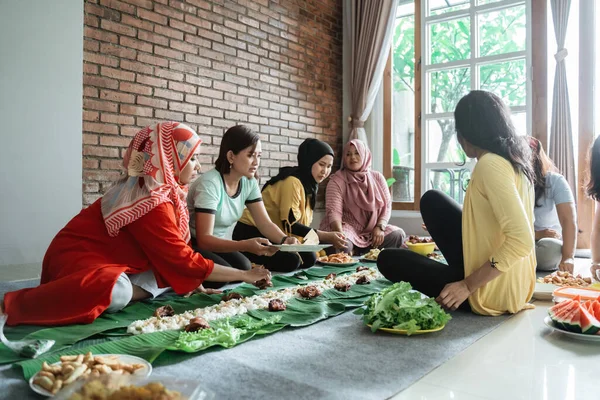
x=370, y=23
x=561, y=135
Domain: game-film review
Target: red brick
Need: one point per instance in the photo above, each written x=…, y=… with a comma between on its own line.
x=117, y=74
x=148, y=59
x=166, y=31
x=236, y=26
x=97, y=81
x=198, y=41
x=89, y=163
x=180, y=5
x=235, y=98
x=183, y=107
x=199, y=81
x=186, y=67
x=199, y=22
x=162, y=51
x=168, y=11
x=169, y=115
x=103, y=36
x=225, y=12
x=90, y=104
x=183, y=46
x=118, y=5
x=227, y=87
x=146, y=36
x=201, y=3
x=136, y=44
x=117, y=51
x=137, y=67
x=150, y=81
x=99, y=175
x=93, y=116
x=100, y=59
x=135, y=88
x=90, y=20
x=168, y=94
x=90, y=92
x=118, y=28
x=138, y=23
x=116, y=119
x=90, y=8
x=90, y=45
x=182, y=87
x=225, y=31
x=90, y=69
x=258, y=16
x=197, y=119
x=151, y=102
x=167, y=74
x=117, y=96
x=113, y=164
x=152, y=16
x=201, y=100
x=136, y=110
x=99, y=151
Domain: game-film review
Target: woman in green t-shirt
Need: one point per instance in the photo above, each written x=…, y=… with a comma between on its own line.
x=217, y=199
x=290, y=197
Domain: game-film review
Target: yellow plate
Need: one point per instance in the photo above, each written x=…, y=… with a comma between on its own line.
x=404, y=331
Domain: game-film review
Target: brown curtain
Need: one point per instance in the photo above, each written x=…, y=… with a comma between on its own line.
x=371, y=24
x=560, y=148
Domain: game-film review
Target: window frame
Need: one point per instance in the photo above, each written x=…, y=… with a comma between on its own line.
x=421, y=166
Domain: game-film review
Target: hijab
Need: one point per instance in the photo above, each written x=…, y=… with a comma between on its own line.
x=309, y=152
x=153, y=161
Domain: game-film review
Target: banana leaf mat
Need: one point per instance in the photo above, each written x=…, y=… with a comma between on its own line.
x=108, y=333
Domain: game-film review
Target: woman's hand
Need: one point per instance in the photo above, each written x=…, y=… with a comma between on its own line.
x=291, y=240
x=202, y=289
x=567, y=264
x=256, y=274
x=453, y=295
x=378, y=237
x=547, y=233
x=594, y=270
x=259, y=246
x=338, y=239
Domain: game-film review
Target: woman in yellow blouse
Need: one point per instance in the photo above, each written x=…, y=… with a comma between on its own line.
x=289, y=198
x=489, y=244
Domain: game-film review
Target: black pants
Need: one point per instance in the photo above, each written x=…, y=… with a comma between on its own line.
x=443, y=218
x=235, y=259
x=278, y=262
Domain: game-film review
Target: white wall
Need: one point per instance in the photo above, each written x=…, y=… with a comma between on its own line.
x=41, y=89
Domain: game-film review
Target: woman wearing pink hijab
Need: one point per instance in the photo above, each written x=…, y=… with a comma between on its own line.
x=358, y=203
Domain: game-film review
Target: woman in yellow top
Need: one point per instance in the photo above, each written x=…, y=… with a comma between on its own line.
x=289, y=198
x=489, y=245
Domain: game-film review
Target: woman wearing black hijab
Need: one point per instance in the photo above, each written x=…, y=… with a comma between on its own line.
x=289, y=198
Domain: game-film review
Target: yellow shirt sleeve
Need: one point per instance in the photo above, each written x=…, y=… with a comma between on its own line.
x=499, y=187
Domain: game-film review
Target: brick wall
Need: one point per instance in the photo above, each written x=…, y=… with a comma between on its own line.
x=274, y=65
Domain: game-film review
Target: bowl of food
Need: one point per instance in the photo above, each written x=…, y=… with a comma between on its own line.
x=420, y=245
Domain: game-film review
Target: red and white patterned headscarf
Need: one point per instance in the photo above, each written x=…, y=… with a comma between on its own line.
x=153, y=161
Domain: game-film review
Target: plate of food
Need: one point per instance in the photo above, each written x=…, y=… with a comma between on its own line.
x=371, y=256
x=564, y=278
x=420, y=245
x=53, y=377
x=301, y=248
x=405, y=331
x=337, y=260
x=582, y=336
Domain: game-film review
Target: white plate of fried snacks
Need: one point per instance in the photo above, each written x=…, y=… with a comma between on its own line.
x=53, y=377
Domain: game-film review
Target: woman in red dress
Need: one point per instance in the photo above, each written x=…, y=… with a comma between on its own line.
x=130, y=244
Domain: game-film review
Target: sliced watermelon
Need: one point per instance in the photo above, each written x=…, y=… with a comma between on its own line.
x=563, y=316
x=588, y=323
x=571, y=321
x=566, y=304
x=596, y=307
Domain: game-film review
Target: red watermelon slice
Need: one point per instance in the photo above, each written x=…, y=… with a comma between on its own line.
x=588, y=323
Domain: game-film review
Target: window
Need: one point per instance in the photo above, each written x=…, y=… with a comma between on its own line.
x=441, y=50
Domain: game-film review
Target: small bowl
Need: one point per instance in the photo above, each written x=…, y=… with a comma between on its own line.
x=421, y=248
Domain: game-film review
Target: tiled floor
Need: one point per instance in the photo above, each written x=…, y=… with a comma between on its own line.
x=521, y=359
x=20, y=272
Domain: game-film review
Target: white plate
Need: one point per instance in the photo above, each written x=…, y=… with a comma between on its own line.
x=301, y=248
x=143, y=372
x=338, y=264
x=363, y=259
x=543, y=291
x=592, y=338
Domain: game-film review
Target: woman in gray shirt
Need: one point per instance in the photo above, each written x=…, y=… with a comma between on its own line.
x=555, y=216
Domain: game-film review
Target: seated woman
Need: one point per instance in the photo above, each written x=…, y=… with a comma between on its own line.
x=218, y=197
x=489, y=245
x=290, y=199
x=555, y=216
x=593, y=190
x=358, y=204
x=138, y=231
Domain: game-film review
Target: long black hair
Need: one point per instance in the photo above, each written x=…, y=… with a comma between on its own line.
x=236, y=139
x=593, y=185
x=542, y=165
x=483, y=120
x=309, y=152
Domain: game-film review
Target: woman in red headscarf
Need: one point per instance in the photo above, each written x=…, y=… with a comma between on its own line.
x=130, y=244
x=358, y=203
